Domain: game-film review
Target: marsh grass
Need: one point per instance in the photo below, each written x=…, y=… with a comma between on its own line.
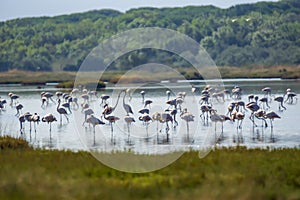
x=231, y=173
x=36, y=78
x=8, y=142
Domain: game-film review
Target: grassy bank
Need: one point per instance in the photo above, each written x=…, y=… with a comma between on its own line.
x=114, y=76
x=224, y=174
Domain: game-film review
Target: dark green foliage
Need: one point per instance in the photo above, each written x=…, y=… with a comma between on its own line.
x=264, y=34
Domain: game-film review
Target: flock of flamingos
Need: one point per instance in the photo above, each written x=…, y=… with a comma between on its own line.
x=79, y=99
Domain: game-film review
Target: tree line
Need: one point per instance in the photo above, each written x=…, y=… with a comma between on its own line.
x=260, y=34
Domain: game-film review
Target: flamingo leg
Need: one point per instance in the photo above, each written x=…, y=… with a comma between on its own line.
x=94, y=135
x=66, y=117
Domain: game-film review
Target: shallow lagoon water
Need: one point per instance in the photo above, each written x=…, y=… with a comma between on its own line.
x=149, y=139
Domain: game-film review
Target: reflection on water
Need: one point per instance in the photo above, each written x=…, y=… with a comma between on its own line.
x=153, y=136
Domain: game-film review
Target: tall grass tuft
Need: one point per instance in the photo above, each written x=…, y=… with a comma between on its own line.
x=7, y=142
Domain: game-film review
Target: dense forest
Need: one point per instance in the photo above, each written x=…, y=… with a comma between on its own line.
x=260, y=34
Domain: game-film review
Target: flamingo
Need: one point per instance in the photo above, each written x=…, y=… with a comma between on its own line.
x=94, y=121
x=75, y=91
x=44, y=101
x=230, y=108
x=168, y=93
x=280, y=99
x=259, y=114
x=236, y=92
x=144, y=110
x=253, y=107
x=173, y=112
x=264, y=101
x=35, y=118
x=104, y=98
x=240, y=104
x=108, y=109
x=86, y=98
x=145, y=118
x=204, y=99
x=87, y=112
x=187, y=117
x=271, y=115
x=19, y=107
x=61, y=111
x=84, y=106
x=128, y=91
x=2, y=104
x=227, y=93
x=267, y=91
x=48, y=95
x=111, y=119
x=126, y=107
x=250, y=97
x=22, y=119
x=58, y=94
x=205, y=109
x=67, y=105
x=143, y=95
x=156, y=117
x=239, y=116
x=128, y=120
x=49, y=118
x=214, y=117
x=165, y=117
x=12, y=97
x=148, y=102
x=172, y=102
x=193, y=89
x=290, y=97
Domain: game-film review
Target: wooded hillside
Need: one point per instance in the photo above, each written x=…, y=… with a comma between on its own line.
x=260, y=34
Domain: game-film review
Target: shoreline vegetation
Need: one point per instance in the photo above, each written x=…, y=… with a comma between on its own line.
x=66, y=79
x=227, y=173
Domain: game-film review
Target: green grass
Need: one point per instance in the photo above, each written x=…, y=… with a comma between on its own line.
x=235, y=173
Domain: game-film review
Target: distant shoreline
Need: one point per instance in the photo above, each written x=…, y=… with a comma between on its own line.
x=45, y=78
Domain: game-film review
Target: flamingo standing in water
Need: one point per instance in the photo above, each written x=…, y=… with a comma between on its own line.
x=126, y=107
x=35, y=118
x=22, y=119
x=143, y=95
x=280, y=100
x=129, y=120
x=61, y=111
x=239, y=116
x=145, y=118
x=168, y=93
x=13, y=97
x=187, y=117
x=94, y=121
x=111, y=119
x=49, y=118
x=87, y=112
x=19, y=107
x=104, y=98
x=271, y=115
